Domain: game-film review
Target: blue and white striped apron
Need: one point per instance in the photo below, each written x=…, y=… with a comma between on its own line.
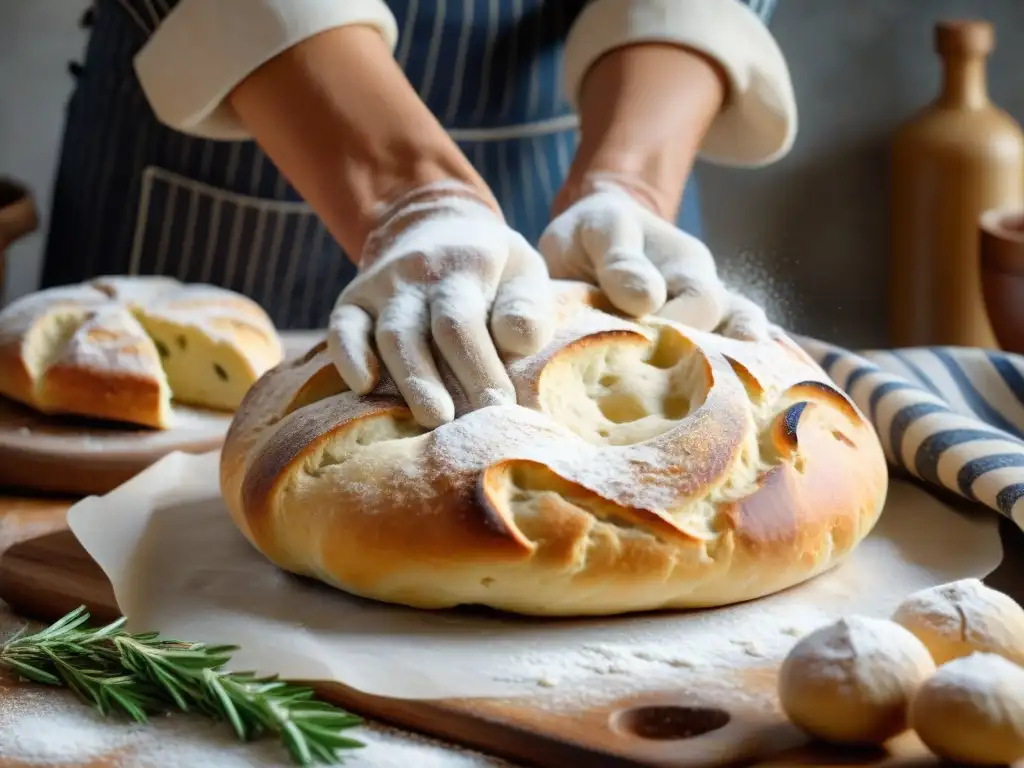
x=133, y=196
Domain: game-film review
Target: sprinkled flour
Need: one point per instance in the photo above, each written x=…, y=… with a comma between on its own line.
x=747, y=272
x=659, y=656
x=44, y=727
x=40, y=726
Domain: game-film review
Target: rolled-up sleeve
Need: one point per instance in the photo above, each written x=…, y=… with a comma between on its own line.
x=201, y=49
x=758, y=123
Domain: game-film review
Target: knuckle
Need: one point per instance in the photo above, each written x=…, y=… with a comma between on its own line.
x=459, y=290
x=452, y=325
x=518, y=323
x=690, y=288
x=389, y=335
x=689, y=284
x=417, y=266
x=522, y=307
x=623, y=258
x=680, y=283
x=474, y=260
x=557, y=240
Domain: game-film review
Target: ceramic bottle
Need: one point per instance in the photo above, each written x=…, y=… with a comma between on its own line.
x=956, y=158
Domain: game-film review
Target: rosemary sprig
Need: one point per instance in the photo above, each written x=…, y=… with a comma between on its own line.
x=140, y=674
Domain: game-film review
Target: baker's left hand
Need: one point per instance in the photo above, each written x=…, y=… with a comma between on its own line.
x=610, y=238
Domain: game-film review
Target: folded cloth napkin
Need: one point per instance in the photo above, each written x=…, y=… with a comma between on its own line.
x=952, y=416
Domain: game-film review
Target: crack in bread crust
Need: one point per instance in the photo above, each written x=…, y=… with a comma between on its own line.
x=647, y=466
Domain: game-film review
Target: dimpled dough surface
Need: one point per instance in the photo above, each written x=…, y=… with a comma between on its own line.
x=647, y=465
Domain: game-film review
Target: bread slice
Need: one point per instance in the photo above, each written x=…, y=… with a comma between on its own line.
x=108, y=369
x=121, y=348
x=213, y=346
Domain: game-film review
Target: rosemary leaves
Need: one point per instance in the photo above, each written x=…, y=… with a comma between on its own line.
x=141, y=674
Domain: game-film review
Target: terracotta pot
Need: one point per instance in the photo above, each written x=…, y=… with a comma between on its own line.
x=18, y=217
x=1001, y=248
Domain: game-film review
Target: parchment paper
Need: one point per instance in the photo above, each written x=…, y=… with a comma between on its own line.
x=178, y=565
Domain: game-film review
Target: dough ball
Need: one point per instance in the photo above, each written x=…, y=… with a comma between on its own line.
x=850, y=682
x=972, y=711
x=957, y=619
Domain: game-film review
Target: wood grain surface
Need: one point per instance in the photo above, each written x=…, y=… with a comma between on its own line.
x=55, y=454
x=45, y=573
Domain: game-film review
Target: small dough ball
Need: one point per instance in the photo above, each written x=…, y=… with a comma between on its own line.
x=972, y=711
x=957, y=619
x=850, y=682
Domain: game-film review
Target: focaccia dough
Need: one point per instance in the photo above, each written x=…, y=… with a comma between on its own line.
x=647, y=465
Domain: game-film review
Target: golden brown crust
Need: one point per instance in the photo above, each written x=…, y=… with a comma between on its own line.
x=647, y=466
x=109, y=396
x=15, y=379
x=81, y=350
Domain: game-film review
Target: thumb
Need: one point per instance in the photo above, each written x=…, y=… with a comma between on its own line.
x=745, y=320
x=615, y=243
x=521, y=318
x=349, y=334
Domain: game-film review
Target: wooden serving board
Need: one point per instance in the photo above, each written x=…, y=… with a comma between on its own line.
x=59, y=454
x=45, y=576
x=78, y=456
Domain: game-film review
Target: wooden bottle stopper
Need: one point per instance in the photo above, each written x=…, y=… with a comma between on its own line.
x=972, y=38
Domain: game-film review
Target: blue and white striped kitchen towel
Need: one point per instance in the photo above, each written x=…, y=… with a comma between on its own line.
x=953, y=416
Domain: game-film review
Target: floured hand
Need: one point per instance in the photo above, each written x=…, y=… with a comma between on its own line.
x=641, y=261
x=441, y=264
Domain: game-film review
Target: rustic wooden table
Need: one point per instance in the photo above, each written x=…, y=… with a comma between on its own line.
x=36, y=721
x=42, y=728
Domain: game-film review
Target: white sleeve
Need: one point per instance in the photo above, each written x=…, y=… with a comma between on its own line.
x=204, y=48
x=758, y=123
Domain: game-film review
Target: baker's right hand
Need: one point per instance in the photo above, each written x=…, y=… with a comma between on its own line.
x=441, y=264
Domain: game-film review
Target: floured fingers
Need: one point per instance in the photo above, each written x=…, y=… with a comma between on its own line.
x=458, y=319
x=616, y=244
x=521, y=318
x=695, y=302
x=402, y=335
x=350, y=347
x=745, y=320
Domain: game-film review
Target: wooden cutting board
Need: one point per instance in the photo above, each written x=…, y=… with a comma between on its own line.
x=47, y=575
x=58, y=454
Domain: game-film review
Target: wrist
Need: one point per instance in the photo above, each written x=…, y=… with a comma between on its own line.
x=644, y=111
x=406, y=169
x=444, y=196
x=654, y=178
x=338, y=117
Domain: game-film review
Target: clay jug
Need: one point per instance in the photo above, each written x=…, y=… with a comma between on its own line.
x=958, y=157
